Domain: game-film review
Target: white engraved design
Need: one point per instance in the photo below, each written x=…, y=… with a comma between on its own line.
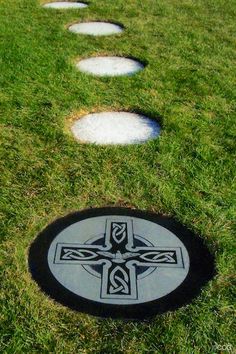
x=119, y=280
x=78, y=254
x=119, y=232
x=159, y=256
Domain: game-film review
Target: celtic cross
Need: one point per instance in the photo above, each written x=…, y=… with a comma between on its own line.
x=119, y=258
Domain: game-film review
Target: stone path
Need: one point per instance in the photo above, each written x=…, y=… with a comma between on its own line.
x=104, y=261
x=108, y=127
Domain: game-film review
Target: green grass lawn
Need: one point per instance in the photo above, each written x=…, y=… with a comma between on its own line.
x=188, y=85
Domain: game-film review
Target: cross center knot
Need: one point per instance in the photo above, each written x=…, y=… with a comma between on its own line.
x=119, y=257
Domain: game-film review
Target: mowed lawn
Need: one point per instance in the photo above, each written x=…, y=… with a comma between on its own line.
x=188, y=86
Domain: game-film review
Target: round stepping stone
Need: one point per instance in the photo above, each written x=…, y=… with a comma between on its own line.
x=65, y=5
x=96, y=28
x=115, y=128
x=120, y=263
x=109, y=66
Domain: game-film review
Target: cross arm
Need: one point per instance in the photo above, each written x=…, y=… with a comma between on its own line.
x=159, y=257
x=77, y=253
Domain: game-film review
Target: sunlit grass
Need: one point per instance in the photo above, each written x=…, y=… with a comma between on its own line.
x=188, y=85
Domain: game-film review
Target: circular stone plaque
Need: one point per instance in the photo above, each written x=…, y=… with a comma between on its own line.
x=115, y=128
x=96, y=28
x=120, y=263
x=109, y=66
x=65, y=5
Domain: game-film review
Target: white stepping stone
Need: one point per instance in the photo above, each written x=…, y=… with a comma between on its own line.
x=109, y=66
x=65, y=5
x=96, y=28
x=115, y=128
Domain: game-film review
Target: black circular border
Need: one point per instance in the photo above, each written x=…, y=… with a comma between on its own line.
x=201, y=268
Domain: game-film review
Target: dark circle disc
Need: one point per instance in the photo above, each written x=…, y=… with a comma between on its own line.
x=120, y=263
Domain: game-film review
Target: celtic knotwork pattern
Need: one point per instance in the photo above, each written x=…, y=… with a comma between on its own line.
x=119, y=281
x=162, y=257
x=118, y=231
x=77, y=254
x=118, y=258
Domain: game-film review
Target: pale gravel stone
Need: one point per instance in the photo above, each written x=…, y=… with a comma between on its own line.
x=115, y=128
x=65, y=5
x=96, y=28
x=109, y=66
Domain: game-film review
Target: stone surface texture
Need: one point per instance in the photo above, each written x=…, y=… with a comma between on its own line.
x=109, y=66
x=96, y=28
x=115, y=128
x=65, y=5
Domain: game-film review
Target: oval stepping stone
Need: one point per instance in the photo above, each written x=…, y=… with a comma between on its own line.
x=109, y=66
x=65, y=5
x=96, y=28
x=115, y=128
